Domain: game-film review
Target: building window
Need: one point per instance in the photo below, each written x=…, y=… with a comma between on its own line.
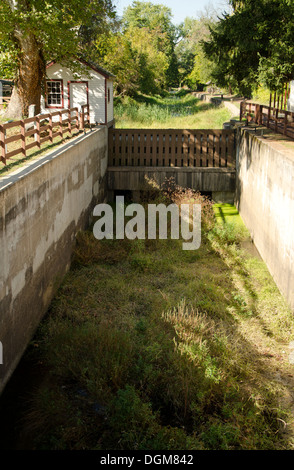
x=54, y=94
x=108, y=95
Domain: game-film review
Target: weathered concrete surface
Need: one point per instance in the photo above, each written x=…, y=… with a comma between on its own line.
x=265, y=200
x=202, y=179
x=42, y=206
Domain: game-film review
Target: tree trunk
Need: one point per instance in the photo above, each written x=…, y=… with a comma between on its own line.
x=31, y=73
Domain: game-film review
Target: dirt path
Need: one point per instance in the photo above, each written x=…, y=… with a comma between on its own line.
x=233, y=108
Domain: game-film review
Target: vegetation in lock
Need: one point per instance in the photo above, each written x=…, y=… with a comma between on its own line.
x=177, y=110
x=147, y=346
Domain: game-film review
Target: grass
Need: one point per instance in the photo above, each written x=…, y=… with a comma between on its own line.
x=19, y=160
x=147, y=346
x=180, y=111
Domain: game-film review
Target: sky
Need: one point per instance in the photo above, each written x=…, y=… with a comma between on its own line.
x=180, y=8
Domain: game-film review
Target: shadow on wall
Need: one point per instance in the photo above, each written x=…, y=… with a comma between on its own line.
x=264, y=197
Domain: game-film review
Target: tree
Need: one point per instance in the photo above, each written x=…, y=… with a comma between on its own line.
x=157, y=19
x=133, y=57
x=140, y=52
x=42, y=30
x=194, y=67
x=202, y=70
x=114, y=51
x=253, y=45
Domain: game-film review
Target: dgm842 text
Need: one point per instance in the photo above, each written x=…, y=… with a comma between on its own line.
x=172, y=459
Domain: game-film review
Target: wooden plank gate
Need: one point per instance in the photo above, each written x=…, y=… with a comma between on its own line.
x=206, y=148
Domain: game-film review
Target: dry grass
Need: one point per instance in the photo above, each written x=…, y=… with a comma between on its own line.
x=151, y=347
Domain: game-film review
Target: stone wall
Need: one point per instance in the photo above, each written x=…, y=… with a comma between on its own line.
x=42, y=206
x=265, y=200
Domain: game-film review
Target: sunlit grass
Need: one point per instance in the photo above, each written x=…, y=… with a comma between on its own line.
x=173, y=112
x=19, y=160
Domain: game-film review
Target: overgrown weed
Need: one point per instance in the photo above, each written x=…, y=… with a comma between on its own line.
x=177, y=111
x=167, y=348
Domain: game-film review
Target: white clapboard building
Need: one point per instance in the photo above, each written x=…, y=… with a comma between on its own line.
x=65, y=90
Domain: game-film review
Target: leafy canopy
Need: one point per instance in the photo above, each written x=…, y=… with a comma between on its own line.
x=55, y=24
x=141, y=53
x=253, y=45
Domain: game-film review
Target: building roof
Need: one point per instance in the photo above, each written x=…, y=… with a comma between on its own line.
x=91, y=65
x=6, y=82
x=97, y=68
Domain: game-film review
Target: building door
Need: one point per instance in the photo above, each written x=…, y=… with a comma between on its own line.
x=78, y=94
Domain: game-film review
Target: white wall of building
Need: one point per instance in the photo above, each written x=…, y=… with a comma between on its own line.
x=97, y=87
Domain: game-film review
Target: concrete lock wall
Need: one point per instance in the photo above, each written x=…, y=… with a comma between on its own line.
x=219, y=181
x=265, y=200
x=42, y=206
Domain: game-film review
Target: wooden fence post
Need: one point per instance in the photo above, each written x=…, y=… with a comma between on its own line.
x=256, y=113
x=69, y=121
x=285, y=122
x=276, y=119
x=2, y=142
x=50, y=129
x=260, y=122
x=241, y=110
x=268, y=116
x=23, y=137
x=82, y=119
x=37, y=135
x=60, y=125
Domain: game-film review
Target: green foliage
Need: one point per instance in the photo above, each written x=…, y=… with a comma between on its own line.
x=195, y=68
x=8, y=59
x=253, y=45
x=141, y=53
x=55, y=25
x=202, y=69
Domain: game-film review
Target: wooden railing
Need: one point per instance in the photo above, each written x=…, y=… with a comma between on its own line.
x=172, y=147
x=85, y=115
x=279, y=120
x=35, y=131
